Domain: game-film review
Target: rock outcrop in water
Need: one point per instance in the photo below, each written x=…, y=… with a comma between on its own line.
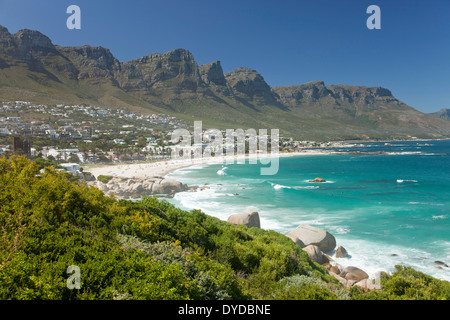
x=305, y=235
x=341, y=252
x=315, y=241
x=318, y=179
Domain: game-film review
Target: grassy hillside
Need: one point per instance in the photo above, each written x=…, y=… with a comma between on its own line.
x=151, y=250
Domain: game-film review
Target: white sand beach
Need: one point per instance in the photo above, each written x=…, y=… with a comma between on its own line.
x=164, y=167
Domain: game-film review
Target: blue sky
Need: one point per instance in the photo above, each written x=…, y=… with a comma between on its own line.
x=288, y=41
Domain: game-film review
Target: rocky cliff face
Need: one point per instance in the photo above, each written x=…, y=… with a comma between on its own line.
x=6, y=39
x=311, y=91
x=29, y=40
x=26, y=45
x=315, y=91
x=175, y=69
x=212, y=73
x=248, y=84
x=91, y=62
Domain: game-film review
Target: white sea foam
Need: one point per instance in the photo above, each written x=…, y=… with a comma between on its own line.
x=222, y=172
x=369, y=255
x=277, y=186
x=372, y=258
x=280, y=186
x=339, y=229
x=402, y=180
x=251, y=209
x=306, y=187
x=426, y=203
x=401, y=153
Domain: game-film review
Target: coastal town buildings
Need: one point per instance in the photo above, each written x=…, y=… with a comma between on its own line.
x=89, y=134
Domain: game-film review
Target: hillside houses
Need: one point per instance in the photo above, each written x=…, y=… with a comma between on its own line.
x=75, y=122
x=89, y=134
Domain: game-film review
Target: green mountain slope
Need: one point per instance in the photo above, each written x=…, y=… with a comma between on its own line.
x=32, y=68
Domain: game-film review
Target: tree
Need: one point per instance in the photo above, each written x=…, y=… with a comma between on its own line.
x=11, y=237
x=73, y=158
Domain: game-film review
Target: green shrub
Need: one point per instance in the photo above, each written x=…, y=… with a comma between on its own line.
x=407, y=284
x=302, y=287
x=104, y=179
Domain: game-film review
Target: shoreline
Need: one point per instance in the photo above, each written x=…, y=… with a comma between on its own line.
x=162, y=168
x=165, y=167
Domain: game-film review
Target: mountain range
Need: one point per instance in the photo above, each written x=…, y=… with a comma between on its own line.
x=32, y=68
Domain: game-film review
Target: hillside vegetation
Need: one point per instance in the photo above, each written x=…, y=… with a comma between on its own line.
x=150, y=249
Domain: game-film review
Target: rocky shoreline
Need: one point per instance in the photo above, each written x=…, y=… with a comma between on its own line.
x=320, y=245
x=136, y=188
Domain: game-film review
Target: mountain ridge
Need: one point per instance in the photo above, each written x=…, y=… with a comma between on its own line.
x=33, y=68
x=443, y=114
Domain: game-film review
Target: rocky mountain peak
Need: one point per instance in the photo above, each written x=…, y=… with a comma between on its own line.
x=382, y=92
x=311, y=91
x=95, y=57
x=247, y=81
x=212, y=73
x=6, y=39
x=178, y=55
x=175, y=69
x=3, y=29
x=28, y=40
x=248, y=84
x=443, y=114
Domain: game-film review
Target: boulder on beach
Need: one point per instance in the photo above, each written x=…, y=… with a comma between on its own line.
x=342, y=280
x=167, y=186
x=353, y=273
x=249, y=219
x=335, y=269
x=369, y=284
x=305, y=235
x=139, y=187
x=87, y=176
x=341, y=252
x=315, y=254
x=318, y=179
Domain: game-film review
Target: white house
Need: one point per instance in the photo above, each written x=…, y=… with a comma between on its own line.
x=73, y=168
x=62, y=153
x=119, y=141
x=4, y=131
x=52, y=134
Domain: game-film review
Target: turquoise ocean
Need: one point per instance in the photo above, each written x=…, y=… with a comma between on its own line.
x=385, y=209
